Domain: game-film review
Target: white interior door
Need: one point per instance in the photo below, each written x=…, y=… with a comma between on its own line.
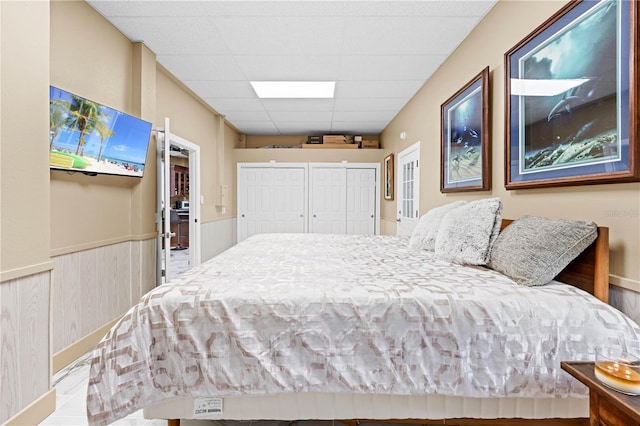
x=328, y=200
x=408, y=189
x=361, y=201
x=166, y=140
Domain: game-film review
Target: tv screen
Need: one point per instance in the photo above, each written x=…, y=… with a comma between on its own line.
x=91, y=138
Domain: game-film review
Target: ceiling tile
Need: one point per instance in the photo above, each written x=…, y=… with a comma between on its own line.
x=298, y=104
x=224, y=105
x=114, y=8
x=174, y=35
x=303, y=127
x=389, y=67
x=308, y=116
x=282, y=35
x=212, y=90
x=201, y=67
x=377, y=89
x=289, y=67
x=248, y=116
x=404, y=35
x=363, y=116
x=370, y=104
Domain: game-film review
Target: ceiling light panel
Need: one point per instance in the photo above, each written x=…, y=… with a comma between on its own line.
x=294, y=89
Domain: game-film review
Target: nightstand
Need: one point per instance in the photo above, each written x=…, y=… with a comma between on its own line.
x=606, y=406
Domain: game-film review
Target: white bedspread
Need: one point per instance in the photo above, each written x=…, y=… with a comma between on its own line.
x=331, y=313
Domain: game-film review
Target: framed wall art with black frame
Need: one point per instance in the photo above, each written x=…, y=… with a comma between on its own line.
x=388, y=177
x=571, y=98
x=464, y=138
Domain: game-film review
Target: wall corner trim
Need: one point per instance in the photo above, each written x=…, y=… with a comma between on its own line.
x=13, y=274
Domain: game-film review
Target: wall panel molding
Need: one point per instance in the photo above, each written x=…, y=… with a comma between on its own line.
x=18, y=273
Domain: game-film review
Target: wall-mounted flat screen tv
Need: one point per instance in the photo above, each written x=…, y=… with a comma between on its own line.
x=88, y=137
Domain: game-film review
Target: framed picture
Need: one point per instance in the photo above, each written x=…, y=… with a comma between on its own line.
x=388, y=177
x=571, y=98
x=465, y=141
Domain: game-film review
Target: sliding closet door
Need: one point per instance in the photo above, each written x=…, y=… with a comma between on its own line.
x=290, y=195
x=256, y=203
x=361, y=201
x=328, y=200
x=271, y=198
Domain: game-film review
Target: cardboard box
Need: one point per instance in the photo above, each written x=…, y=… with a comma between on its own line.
x=334, y=139
x=370, y=144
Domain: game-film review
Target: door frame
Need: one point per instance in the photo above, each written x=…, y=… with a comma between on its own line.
x=399, y=181
x=163, y=209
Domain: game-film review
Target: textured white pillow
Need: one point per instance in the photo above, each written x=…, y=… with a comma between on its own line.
x=467, y=233
x=425, y=233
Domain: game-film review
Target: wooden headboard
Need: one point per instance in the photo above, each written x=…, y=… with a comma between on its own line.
x=590, y=270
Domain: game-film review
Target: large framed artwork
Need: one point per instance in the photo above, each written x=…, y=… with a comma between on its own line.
x=571, y=98
x=464, y=138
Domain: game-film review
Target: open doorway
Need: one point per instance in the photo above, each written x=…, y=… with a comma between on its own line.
x=178, y=205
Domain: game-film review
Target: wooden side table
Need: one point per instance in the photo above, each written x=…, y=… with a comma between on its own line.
x=606, y=406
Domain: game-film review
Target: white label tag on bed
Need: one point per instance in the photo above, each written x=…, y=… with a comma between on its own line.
x=207, y=406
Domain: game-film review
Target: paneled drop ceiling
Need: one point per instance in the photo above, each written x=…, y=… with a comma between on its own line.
x=379, y=53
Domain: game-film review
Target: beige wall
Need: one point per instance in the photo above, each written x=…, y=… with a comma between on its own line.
x=192, y=120
x=24, y=174
x=25, y=268
x=616, y=206
x=90, y=211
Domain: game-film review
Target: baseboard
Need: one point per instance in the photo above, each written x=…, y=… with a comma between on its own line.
x=35, y=412
x=76, y=350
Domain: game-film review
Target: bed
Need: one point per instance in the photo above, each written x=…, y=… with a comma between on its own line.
x=326, y=327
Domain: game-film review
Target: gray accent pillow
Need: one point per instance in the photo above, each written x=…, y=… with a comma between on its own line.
x=533, y=250
x=424, y=234
x=467, y=233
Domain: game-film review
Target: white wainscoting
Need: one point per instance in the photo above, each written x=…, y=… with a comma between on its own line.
x=627, y=301
x=24, y=333
x=92, y=287
x=217, y=236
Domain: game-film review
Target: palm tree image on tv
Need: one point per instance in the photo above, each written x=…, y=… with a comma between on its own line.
x=83, y=115
x=90, y=137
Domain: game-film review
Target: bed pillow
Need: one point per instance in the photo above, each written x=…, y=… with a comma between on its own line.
x=533, y=250
x=424, y=234
x=467, y=233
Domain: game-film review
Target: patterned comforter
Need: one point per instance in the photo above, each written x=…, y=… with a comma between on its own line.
x=334, y=313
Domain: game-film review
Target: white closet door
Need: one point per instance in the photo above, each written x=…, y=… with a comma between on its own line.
x=361, y=201
x=328, y=200
x=256, y=207
x=289, y=194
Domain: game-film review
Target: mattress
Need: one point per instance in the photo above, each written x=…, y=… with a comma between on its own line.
x=289, y=314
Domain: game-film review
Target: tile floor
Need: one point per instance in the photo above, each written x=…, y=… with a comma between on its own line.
x=178, y=262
